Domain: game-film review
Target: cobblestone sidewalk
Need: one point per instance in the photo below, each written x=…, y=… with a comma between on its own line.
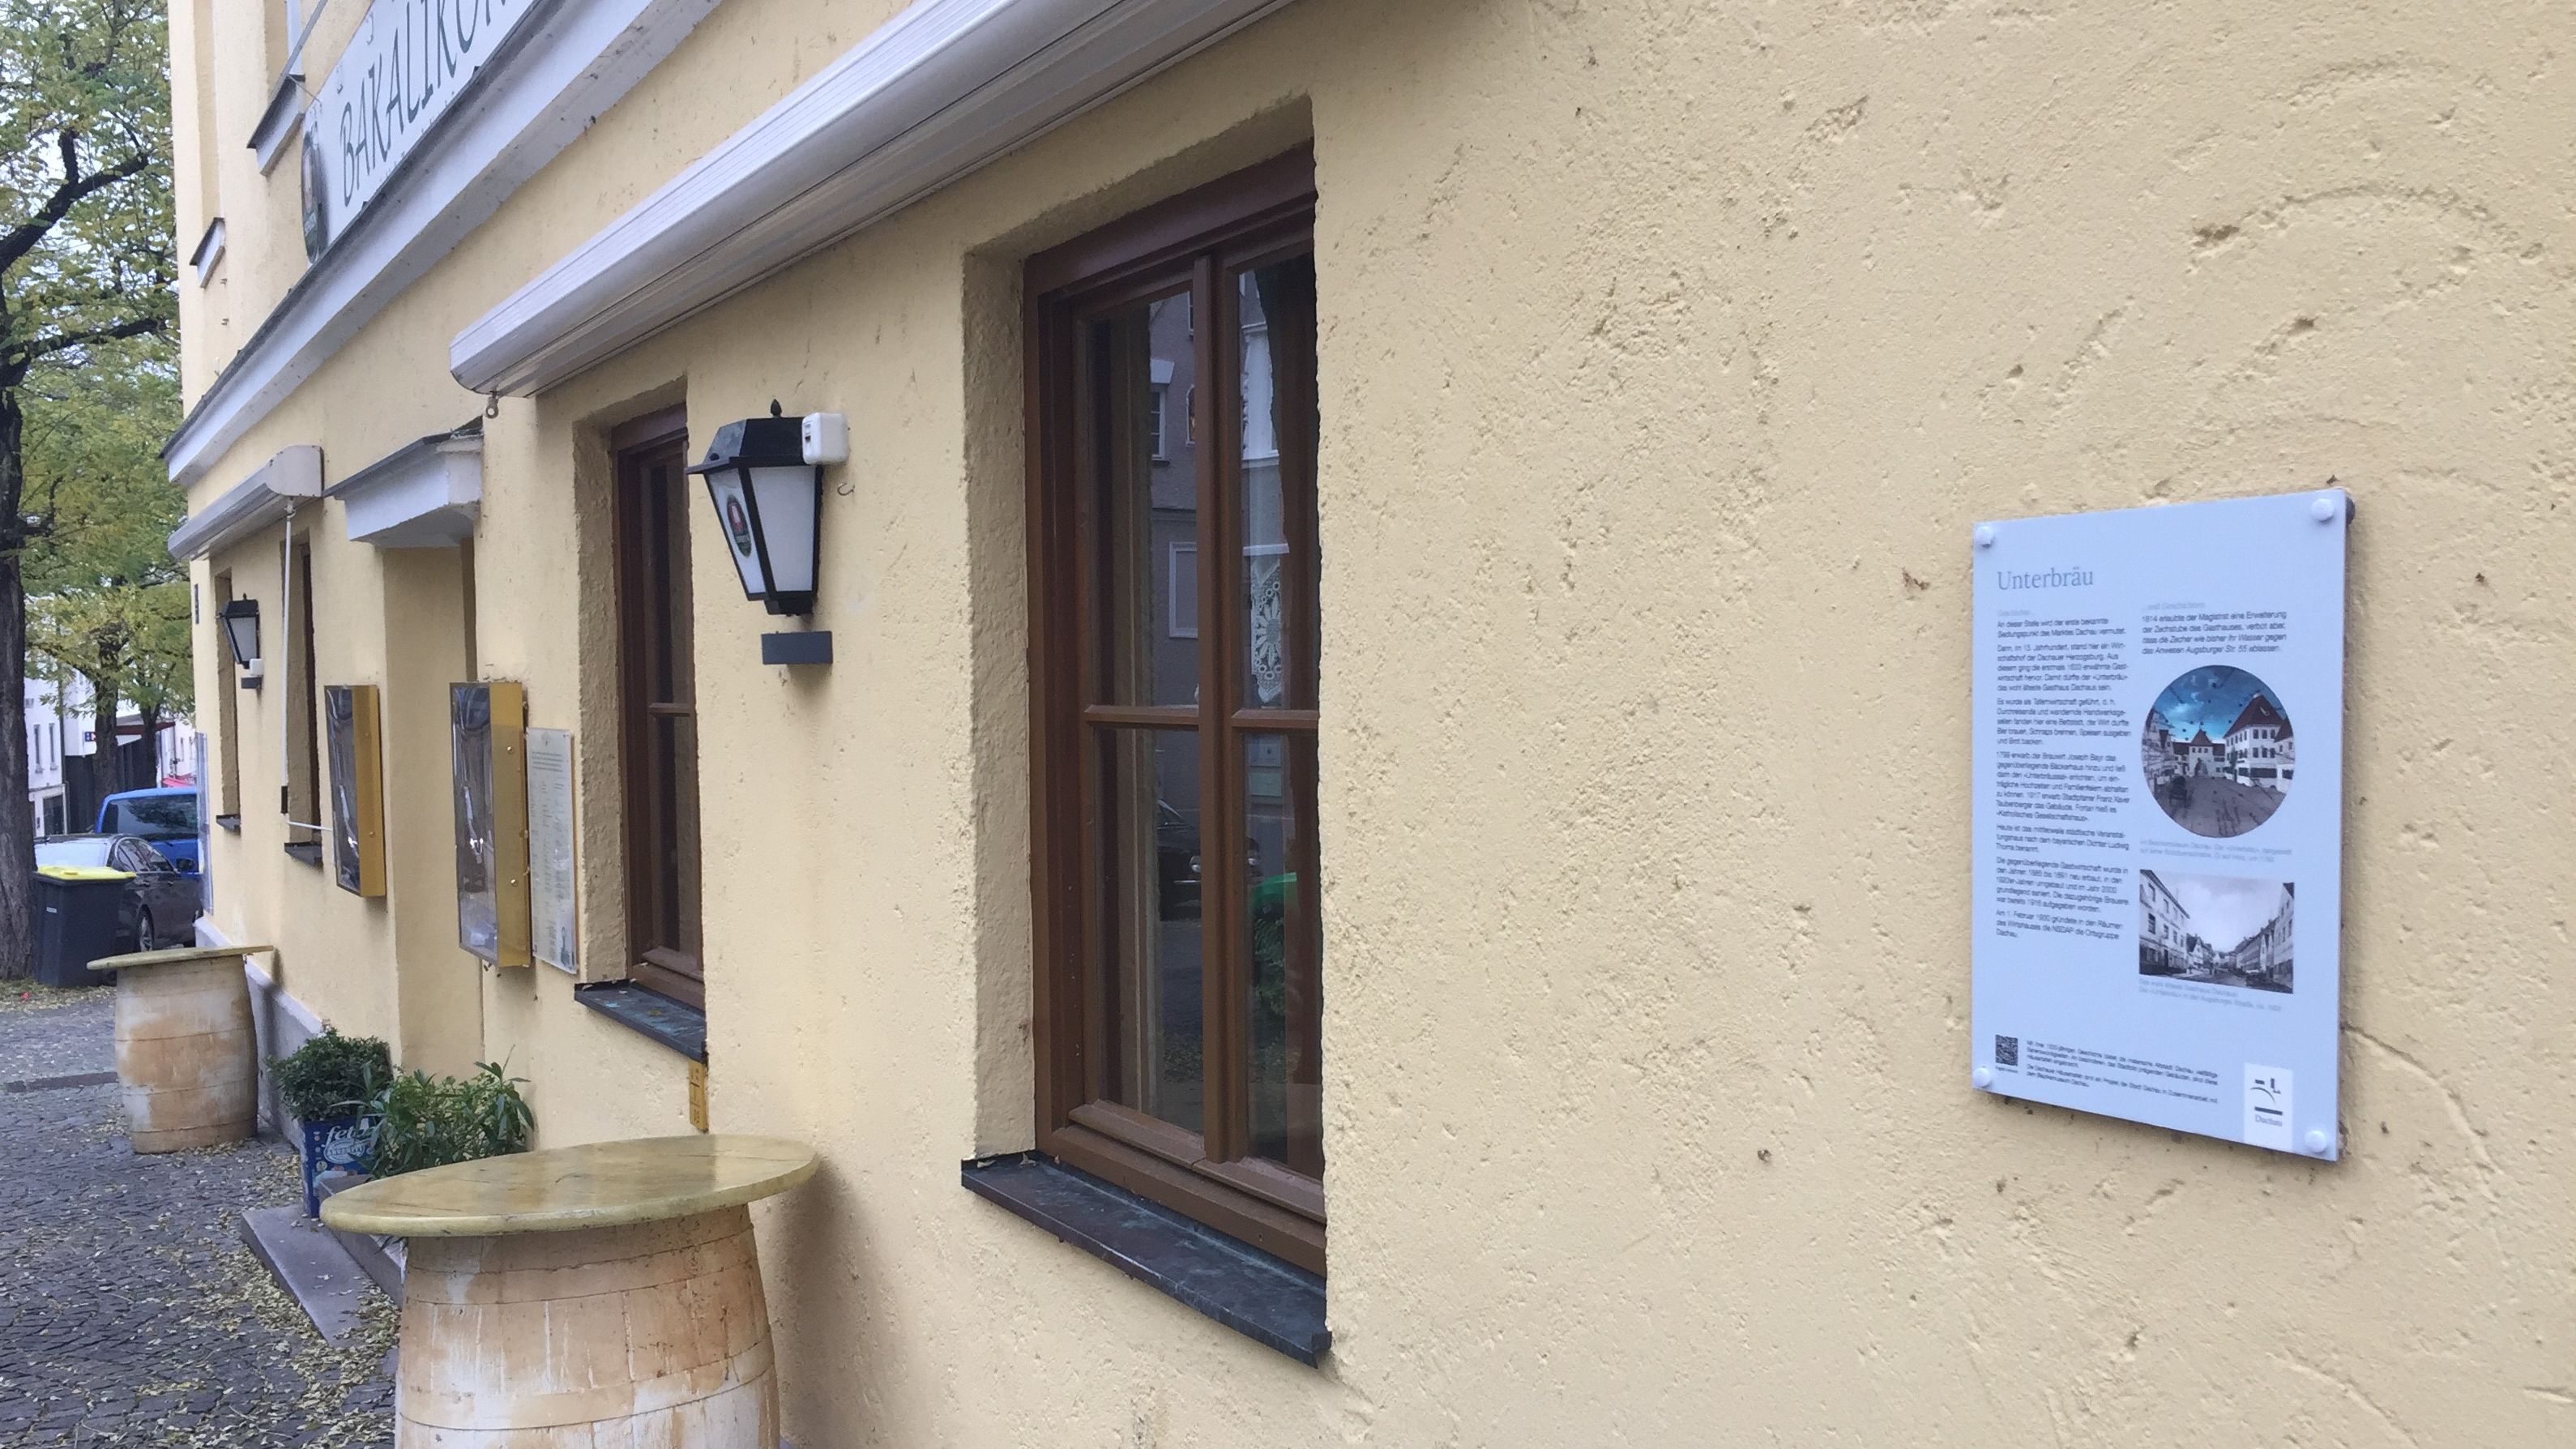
x=130, y=1312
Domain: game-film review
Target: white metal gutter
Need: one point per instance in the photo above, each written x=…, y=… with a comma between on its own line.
x=555, y=76
x=940, y=90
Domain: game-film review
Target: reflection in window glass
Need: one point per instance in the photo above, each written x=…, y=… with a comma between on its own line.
x=1287, y=1000
x=1151, y=496
x=1150, y=785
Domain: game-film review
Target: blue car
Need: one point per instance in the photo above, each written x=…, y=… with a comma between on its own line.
x=166, y=817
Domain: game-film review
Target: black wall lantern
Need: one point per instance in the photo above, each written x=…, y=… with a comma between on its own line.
x=240, y=619
x=767, y=496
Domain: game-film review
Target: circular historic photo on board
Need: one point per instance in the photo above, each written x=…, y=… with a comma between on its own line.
x=2217, y=751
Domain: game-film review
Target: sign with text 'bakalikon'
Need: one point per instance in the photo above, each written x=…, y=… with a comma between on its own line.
x=2159, y=815
x=402, y=71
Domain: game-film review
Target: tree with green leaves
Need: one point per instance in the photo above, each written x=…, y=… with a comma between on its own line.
x=87, y=260
x=104, y=598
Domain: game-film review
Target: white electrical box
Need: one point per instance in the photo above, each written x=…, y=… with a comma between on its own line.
x=827, y=438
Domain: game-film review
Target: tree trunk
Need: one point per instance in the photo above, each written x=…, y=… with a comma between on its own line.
x=150, y=714
x=17, y=824
x=104, y=776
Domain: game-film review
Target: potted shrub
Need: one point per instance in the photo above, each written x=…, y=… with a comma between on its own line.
x=425, y=1121
x=327, y=1084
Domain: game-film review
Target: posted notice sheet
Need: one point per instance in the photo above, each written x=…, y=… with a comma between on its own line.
x=554, y=937
x=2158, y=817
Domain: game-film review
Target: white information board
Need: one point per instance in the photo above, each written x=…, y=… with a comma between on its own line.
x=2158, y=816
x=553, y=935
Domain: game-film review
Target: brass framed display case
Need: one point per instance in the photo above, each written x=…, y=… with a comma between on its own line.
x=487, y=736
x=353, y=733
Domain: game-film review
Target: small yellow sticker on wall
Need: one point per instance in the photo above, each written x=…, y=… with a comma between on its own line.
x=698, y=1095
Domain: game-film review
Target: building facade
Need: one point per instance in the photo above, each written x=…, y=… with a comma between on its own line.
x=61, y=726
x=1340, y=501
x=2259, y=746
x=2157, y=758
x=2164, y=928
x=2265, y=957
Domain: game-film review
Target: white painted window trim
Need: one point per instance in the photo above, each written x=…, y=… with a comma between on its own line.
x=943, y=88
x=564, y=68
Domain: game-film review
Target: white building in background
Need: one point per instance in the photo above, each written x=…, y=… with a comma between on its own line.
x=2164, y=928
x=2202, y=754
x=52, y=730
x=2259, y=746
x=61, y=728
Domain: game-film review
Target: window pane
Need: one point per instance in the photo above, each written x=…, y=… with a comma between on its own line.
x=1149, y=920
x=670, y=665
x=1287, y=1006
x=675, y=782
x=1139, y=358
x=1277, y=342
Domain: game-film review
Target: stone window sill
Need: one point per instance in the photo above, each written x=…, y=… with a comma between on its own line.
x=647, y=1013
x=307, y=851
x=1272, y=1302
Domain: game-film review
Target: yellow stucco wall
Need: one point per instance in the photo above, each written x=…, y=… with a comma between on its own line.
x=1669, y=352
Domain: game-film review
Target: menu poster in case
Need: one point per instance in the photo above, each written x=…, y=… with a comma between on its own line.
x=487, y=727
x=353, y=733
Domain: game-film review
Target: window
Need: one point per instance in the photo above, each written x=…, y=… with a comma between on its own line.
x=301, y=796
x=658, y=728
x=227, y=717
x=1179, y=961
x=1181, y=591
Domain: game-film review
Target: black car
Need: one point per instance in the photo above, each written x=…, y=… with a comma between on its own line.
x=160, y=905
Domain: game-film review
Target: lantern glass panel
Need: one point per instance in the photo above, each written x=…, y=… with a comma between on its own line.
x=733, y=520
x=241, y=632
x=786, y=499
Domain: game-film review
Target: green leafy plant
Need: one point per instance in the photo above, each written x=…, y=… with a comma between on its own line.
x=332, y=1075
x=426, y=1121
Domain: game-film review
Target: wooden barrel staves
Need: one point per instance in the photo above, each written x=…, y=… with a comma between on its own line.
x=655, y=1333
x=185, y=1051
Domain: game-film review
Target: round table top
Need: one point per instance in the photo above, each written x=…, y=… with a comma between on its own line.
x=596, y=1185
x=175, y=956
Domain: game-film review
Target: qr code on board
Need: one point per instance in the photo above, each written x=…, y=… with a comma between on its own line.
x=2007, y=1051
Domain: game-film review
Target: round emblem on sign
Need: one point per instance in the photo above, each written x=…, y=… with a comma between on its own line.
x=317, y=222
x=738, y=524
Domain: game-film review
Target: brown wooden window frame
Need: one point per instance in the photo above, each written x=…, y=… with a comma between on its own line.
x=659, y=877
x=1249, y=219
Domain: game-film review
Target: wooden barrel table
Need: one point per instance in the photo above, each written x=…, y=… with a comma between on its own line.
x=602, y=1294
x=185, y=1051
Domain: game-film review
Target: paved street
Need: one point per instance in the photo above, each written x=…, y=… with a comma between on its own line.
x=2221, y=809
x=130, y=1312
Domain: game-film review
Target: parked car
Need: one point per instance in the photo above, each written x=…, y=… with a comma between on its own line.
x=160, y=902
x=166, y=817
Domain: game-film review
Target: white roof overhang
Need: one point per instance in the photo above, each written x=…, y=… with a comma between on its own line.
x=554, y=77
x=262, y=500
x=424, y=494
